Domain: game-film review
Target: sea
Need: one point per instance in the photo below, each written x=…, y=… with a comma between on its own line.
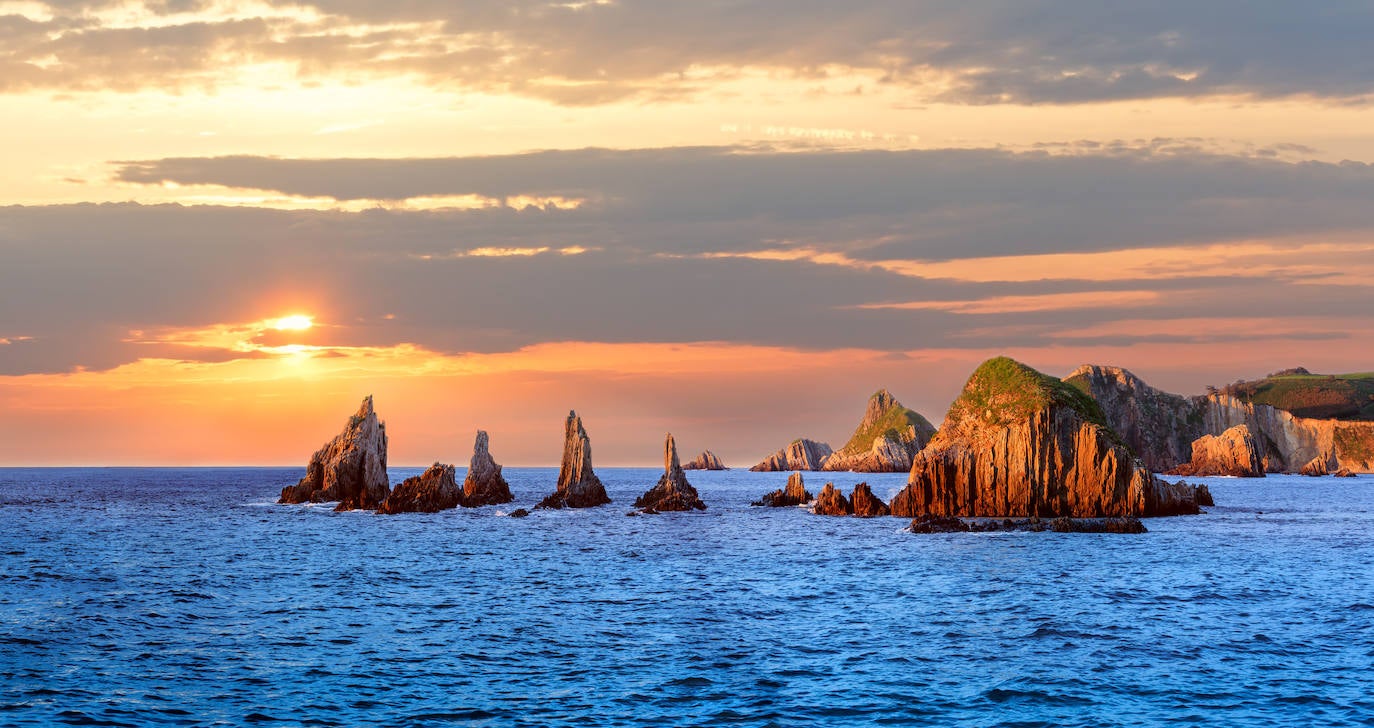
x=188, y=597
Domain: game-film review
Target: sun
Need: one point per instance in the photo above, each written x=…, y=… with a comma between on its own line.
x=295, y=322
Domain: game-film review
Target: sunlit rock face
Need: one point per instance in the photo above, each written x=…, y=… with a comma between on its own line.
x=1234, y=452
x=707, y=460
x=578, y=486
x=798, y=455
x=885, y=441
x=430, y=492
x=350, y=469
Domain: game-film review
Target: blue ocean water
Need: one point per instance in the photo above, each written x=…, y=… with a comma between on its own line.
x=186, y=597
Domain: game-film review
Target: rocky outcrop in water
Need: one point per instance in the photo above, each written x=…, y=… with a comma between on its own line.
x=578, y=486
x=1018, y=443
x=707, y=460
x=831, y=502
x=673, y=492
x=946, y=524
x=1344, y=473
x=1159, y=427
x=1233, y=452
x=433, y=491
x=484, y=484
x=798, y=455
x=887, y=437
x=867, y=505
x=350, y=469
x=795, y=494
x=1315, y=467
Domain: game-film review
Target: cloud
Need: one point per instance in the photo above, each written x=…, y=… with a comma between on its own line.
x=961, y=51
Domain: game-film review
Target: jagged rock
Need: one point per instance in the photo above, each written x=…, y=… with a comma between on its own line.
x=1344, y=473
x=1063, y=524
x=1158, y=426
x=484, y=485
x=795, y=494
x=887, y=437
x=350, y=469
x=867, y=505
x=937, y=524
x=831, y=502
x=1233, y=452
x=1315, y=467
x=519, y=513
x=673, y=492
x=799, y=455
x=433, y=491
x=1019, y=443
x=578, y=486
x=707, y=460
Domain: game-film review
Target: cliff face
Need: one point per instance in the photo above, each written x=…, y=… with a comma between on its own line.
x=1233, y=452
x=350, y=469
x=1017, y=443
x=887, y=437
x=794, y=494
x=867, y=505
x=1159, y=427
x=484, y=484
x=578, y=486
x=799, y=455
x=673, y=492
x=707, y=460
x=433, y=491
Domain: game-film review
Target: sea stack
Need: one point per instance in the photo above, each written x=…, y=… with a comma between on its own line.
x=433, y=491
x=831, y=502
x=867, y=505
x=885, y=441
x=1315, y=467
x=350, y=469
x=484, y=485
x=794, y=494
x=578, y=486
x=1018, y=443
x=1233, y=452
x=798, y=455
x=707, y=460
x=673, y=492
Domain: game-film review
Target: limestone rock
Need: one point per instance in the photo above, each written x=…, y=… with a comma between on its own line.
x=1019, y=443
x=1315, y=467
x=799, y=455
x=673, y=492
x=1159, y=427
x=433, y=491
x=484, y=485
x=867, y=505
x=350, y=469
x=831, y=502
x=885, y=441
x=707, y=460
x=578, y=486
x=1233, y=452
x=795, y=494
x=1063, y=524
x=1344, y=473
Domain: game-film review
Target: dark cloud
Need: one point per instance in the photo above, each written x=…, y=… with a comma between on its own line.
x=981, y=51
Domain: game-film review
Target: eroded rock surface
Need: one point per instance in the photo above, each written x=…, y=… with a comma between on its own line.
x=350, y=469
x=795, y=494
x=798, y=455
x=578, y=486
x=433, y=491
x=1233, y=452
x=867, y=505
x=885, y=441
x=484, y=484
x=673, y=492
x=831, y=502
x=707, y=460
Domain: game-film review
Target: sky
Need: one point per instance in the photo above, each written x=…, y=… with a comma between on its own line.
x=222, y=223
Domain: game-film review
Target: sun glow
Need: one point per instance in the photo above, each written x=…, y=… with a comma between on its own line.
x=295, y=322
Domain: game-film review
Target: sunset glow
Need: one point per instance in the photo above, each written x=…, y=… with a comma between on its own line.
x=295, y=322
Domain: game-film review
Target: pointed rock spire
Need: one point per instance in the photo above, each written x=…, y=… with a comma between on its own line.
x=794, y=494
x=484, y=485
x=867, y=505
x=350, y=469
x=831, y=502
x=673, y=492
x=578, y=486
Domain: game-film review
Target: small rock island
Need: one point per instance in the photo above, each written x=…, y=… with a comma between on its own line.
x=673, y=492
x=707, y=460
x=578, y=486
x=350, y=469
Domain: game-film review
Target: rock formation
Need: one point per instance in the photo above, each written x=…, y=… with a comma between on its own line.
x=1019, y=443
x=484, y=485
x=707, y=460
x=831, y=502
x=433, y=491
x=887, y=437
x=795, y=494
x=1159, y=427
x=673, y=492
x=867, y=505
x=799, y=455
x=1315, y=467
x=1233, y=452
x=1344, y=473
x=350, y=469
x=578, y=486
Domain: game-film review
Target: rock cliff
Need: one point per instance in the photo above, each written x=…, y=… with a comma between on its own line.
x=831, y=502
x=887, y=437
x=799, y=455
x=1159, y=427
x=433, y=491
x=350, y=469
x=867, y=505
x=1233, y=452
x=578, y=486
x=1018, y=443
x=484, y=484
x=795, y=494
x=707, y=460
x=673, y=492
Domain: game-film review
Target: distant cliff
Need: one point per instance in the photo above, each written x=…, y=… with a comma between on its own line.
x=885, y=441
x=798, y=455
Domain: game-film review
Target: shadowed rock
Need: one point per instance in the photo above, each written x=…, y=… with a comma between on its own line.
x=794, y=494
x=673, y=492
x=433, y=491
x=707, y=460
x=798, y=455
x=1233, y=452
x=885, y=441
x=484, y=485
x=1315, y=467
x=867, y=505
x=1063, y=524
x=831, y=502
x=350, y=469
x=578, y=486
x=1344, y=473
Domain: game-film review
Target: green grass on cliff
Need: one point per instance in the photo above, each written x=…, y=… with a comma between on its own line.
x=1002, y=391
x=892, y=425
x=1321, y=396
